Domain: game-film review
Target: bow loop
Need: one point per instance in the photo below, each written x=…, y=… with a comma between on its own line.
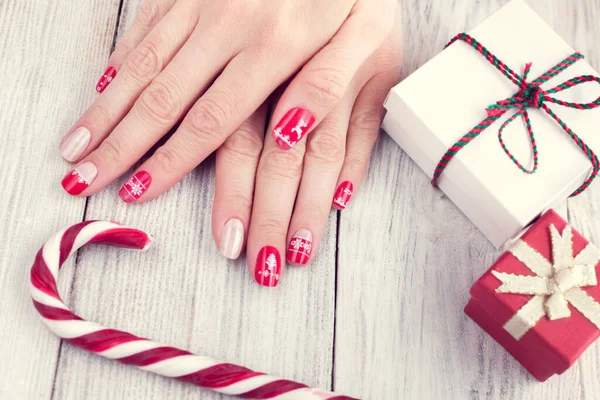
x=571, y=83
x=554, y=285
x=529, y=96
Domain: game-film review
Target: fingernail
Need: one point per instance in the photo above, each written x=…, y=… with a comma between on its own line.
x=292, y=127
x=135, y=187
x=232, y=239
x=106, y=79
x=73, y=146
x=79, y=178
x=268, y=266
x=300, y=247
x=343, y=195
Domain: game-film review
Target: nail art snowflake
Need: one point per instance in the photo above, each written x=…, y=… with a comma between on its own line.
x=135, y=188
x=297, y=243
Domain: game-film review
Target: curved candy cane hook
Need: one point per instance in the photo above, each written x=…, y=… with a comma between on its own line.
x=129, y=349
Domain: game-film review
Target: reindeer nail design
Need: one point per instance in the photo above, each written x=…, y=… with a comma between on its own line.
x=294, y=125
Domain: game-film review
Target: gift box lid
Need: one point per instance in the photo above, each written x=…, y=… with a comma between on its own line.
x=557, y=343
x=443, y=100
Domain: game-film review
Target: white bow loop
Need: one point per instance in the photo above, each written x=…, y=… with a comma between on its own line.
x=555, y=285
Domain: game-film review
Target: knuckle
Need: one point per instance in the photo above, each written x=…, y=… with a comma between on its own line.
x=109, y=151
x=123, y=48
x=144, y=63
x=355, y=165
x=149, y=13
x=166, y=160
x=327, y=146
x=98, y=114
x=273, y=223
x=239, y=201
x=161, y=102
x=326, y=86
x=389, y=61
x=366, y=123
x=244, y=144
x=275, y=36
x=207, y=120
x=282, y=165
x=315, y=212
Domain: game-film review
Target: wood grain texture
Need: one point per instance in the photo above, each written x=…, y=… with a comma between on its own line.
x=402, y=285
x=48, y=52
x=391, y=293
x=184, y=293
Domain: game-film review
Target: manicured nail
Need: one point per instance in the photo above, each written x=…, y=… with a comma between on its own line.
x=343, y=195
x=106, y=79
x=300, y=247
x=135, y=187
x=292, y=127
x=232, y=239
x=79, y=178
x=268, y=266
x=75, y=144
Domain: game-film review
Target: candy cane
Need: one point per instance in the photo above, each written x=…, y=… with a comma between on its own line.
x=129, y=349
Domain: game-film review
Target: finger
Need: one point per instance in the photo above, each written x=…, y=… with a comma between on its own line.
x=155, y=112
x=147, y=17
x=139, y=69
x=236, y=164
x=324, y=80
x=362, y=134
x=277, y=179
x=233, y=97
x=322, y=164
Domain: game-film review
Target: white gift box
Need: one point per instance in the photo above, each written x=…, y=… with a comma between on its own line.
x=442, y=101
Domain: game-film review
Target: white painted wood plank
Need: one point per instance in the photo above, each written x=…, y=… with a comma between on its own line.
x=402, y=284
x=584, y=212
x=48, y=54
x=183, y=293
x=394, y=338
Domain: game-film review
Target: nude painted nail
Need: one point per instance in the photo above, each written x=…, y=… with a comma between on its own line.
x=292, y=127
x=268, y=266
x=75, y=144
x=232, y=239
x=135, y=187
x=300, y=247
x=343, y=195
x=79, y=178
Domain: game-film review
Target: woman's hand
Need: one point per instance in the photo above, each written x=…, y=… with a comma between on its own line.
x=211, y=64
x=281, y=199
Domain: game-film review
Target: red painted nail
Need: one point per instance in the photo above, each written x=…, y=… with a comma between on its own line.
x=79, y=178
x=135, y=187
x=292, y=127
x=106, y=79
x=300, y=247
x=343, y=195
x=268, y=266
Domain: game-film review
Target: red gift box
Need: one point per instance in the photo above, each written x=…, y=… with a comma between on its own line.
x=541, y=299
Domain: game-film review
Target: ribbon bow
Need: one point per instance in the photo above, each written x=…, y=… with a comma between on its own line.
x=555, y=285
x=530, y=95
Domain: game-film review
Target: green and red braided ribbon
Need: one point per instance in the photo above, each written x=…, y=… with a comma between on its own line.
x=530, y=95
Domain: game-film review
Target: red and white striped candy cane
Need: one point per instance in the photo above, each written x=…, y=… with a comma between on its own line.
x=129, y=349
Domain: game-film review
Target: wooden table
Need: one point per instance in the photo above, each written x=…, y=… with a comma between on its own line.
x=379, y=313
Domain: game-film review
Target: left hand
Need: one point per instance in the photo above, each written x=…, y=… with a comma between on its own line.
x=280, y=200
